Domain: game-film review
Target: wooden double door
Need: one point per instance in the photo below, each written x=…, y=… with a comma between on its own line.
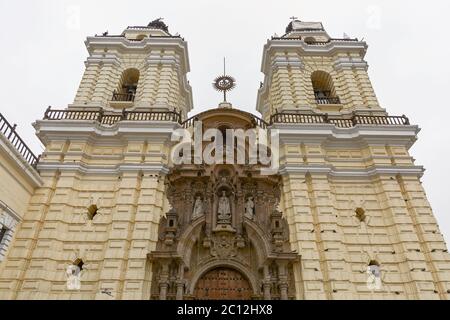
x=223, y=284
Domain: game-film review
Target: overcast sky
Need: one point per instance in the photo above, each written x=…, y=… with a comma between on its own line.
x=42, y=58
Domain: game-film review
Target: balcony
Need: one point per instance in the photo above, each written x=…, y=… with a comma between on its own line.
x=328, y=100
x=340, y=122
x=122, y=100
x=123, y=97
x=325, y=99
x=111, y=118
x=9, y=132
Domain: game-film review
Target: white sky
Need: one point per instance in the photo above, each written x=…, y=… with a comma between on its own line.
x=42, y=57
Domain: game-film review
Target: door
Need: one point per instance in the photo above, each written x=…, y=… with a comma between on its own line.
x=223, y=284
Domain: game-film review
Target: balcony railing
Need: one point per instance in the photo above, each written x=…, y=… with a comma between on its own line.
x=328, y=100
x=320, y=42
x=123, y=97
x=339, y=122
x=9, y=131
x=256, y=121
x=111, y=118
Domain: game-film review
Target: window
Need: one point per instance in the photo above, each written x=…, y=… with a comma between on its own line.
x=323, y=86
x=92, y=212
x=128, y=86
x=3, y=241
x=360, y=214
x=79, y=263
x=310, y=40
x=3, y=231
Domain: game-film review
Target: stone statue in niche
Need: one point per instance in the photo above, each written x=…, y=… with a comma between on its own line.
x=224, y=210
x=250, y=208
x=198, y=208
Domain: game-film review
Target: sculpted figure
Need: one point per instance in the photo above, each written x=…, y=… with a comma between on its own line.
x=224, y=210
x=249, y=208
x=198, y=208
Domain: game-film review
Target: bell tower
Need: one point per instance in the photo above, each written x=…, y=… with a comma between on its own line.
x=307, y=70
x=352, y=194
x=96, y=215
x=143, y=68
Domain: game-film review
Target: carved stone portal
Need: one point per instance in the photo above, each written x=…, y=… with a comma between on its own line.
x=224, y=237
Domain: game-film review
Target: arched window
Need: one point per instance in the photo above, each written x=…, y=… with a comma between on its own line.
x=360, y=214
x=3, y=231
x=92, y=211
x=324, y=91
x=128, y=86
x=141, y=37
x=309, y=40
x=79, y=263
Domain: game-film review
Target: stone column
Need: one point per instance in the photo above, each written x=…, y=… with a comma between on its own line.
x=180, y=282
x=284, y=290
x=283, y=280
x=180, y=290
x=266, y=290
x=163, y=287
x=266, y=284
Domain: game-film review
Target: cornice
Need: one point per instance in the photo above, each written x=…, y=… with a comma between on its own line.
x=332, y=135
x=347, y=173
x=156, y=131
x=4, y=207
x=329, y=49
x=28, y=172
x=123, y=45
x=86, y=169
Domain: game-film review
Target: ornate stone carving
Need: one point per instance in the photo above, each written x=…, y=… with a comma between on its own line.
x=223, y=247
x=249, y=208
x=223, y=215
x=198, y=208
x=224, y=209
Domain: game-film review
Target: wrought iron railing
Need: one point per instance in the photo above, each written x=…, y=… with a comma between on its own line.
x=285, y=117
x=9, y=131
x=328, y=100
x=111, y=118
x=256, y=120
x=123, y=96
x=317, y=42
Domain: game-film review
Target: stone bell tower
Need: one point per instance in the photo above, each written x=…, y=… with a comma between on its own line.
x=88, y=229
x=308, y=70
x=357, y=212
x=143, y=68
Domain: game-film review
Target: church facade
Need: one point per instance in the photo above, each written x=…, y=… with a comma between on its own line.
x=109, y=211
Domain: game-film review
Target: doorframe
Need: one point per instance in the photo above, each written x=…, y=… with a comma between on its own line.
x=246, y=273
